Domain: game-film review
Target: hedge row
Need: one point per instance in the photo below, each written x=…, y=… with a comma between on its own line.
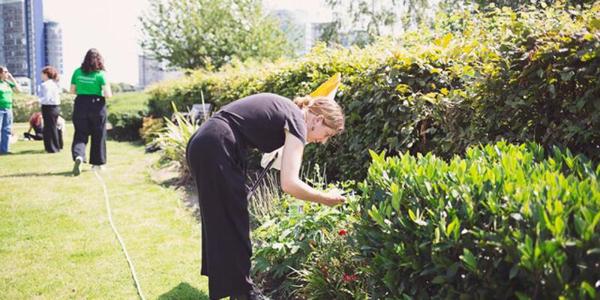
x=25, y=105
x=476, y=77
x=125, y=112
x=504, y=222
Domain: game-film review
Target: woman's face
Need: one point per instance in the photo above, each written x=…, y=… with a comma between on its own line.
x=44, y=76
x=318, y=132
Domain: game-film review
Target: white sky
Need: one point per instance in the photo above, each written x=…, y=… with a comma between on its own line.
x=112, y=27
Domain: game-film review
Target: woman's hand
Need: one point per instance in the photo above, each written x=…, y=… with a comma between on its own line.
x=14, y=81
x=333, y=198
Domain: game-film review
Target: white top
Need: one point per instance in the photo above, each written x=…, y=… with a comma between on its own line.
x=49, y=93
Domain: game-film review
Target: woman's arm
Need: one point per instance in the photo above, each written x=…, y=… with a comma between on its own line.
x=106, y=91
x=290, y=170
x=12, y=79
x=43, y=96
x=73, y=89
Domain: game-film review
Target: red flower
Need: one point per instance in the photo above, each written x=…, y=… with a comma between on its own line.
x=349, y=278
x=342, y=232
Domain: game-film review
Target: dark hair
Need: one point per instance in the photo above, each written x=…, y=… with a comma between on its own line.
x=51, y=72
x=2, y=68
x=93, y=61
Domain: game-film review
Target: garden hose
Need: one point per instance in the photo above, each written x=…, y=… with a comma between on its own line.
x=112, y=224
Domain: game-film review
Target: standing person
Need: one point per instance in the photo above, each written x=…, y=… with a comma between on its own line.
x=7, y=85
x=89, y=113
x=36, y=123
x=50, y=101
x=216, y=156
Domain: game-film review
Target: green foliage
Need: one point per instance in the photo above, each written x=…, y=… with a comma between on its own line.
x=121, y=87
x=173, y=140
x=210, y=33
x=502, y=222
x=285, y=239
x=335, y=269
x=125, y=125
x=517, y=4
x=475, y=77
x=125, y=114
x=151, y=127
x=25, y=105
x=362, y=22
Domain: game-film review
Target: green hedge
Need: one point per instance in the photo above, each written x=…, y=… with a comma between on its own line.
x=503, y=222
x=474, y=78
x=125, y=114
x=25, y=105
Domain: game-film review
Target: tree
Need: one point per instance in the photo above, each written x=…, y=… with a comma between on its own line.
x=210, y=33
x=360, y=22
x=514, y=4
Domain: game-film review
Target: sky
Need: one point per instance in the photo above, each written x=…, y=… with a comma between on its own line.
x=112, y=27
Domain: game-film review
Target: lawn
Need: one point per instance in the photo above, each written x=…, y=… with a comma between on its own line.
x=56, y=242
x=128, y=101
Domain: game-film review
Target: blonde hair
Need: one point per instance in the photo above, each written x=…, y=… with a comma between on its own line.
x=332, y=113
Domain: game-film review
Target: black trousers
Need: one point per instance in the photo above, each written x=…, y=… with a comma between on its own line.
x=215, y=156
x=52, y=136
x=89, y=119
x=36, y=137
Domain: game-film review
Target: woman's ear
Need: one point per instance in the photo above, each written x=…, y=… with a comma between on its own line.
x=319, y=119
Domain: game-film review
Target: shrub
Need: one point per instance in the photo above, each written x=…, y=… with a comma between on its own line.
x=125, y=125
x=284, y=241
x=125, y=113
x=25, y=105
x=503, y=222
x=335, y=268
x=475, y=77
x=172, y=141
x=150, y=129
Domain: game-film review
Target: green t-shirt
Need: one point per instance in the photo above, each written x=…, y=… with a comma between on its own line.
x=6, y=94
x=88, y=84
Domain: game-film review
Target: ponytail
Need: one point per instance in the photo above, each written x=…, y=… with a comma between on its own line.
x=332, y=113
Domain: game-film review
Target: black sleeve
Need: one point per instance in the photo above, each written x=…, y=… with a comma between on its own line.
x=296, y=126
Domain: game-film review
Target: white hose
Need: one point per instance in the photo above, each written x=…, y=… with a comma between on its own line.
x=112, y=224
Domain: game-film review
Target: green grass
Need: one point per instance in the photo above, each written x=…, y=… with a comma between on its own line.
x=56, y=242
x=129, y=101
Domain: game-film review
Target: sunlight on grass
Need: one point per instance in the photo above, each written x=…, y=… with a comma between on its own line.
x=55, y=240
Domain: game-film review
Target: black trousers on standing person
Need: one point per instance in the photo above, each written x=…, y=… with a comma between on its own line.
x=215, y=155
x=89, y=120
x=52, y=136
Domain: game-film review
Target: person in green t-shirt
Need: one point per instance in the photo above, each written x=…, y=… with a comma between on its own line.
x=7, y=85
x=89, y=114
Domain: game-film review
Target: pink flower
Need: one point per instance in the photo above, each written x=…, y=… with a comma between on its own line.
x=342, y=232
x=349, y=278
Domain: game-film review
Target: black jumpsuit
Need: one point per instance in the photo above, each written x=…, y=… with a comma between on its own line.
x=216, y=157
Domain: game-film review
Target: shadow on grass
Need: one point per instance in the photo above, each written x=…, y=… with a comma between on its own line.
x=38, y=151
x=184, y=291
x=32, y=174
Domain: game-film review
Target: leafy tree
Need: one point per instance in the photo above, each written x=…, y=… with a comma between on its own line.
x=514, y=4
x=360, y=22
x=210, y=33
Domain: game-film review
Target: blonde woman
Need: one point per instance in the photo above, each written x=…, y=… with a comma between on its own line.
x=216, y=157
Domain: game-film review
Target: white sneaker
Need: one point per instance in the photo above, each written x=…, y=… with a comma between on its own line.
x=77, y=166
x=98, y=167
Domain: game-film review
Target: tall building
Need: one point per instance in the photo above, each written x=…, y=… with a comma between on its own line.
x=151, y=71
x=22, y=38
x=53, y=49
